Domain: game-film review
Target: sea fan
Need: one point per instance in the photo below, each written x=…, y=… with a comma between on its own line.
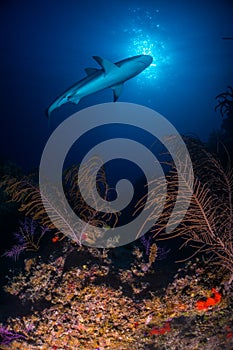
x=27, y=193
x=207, y=224
x=98, y=213
x=36, y=203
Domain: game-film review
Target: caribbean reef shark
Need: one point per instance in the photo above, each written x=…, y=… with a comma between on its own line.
x=111, y=75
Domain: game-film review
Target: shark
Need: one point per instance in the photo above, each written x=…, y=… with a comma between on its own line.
x=110, y=75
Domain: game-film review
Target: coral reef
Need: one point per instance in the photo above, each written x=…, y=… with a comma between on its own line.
x=81, y=310
x=101, y=299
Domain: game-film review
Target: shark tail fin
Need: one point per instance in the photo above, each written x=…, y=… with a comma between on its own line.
x=48, y=117
x=47, y=113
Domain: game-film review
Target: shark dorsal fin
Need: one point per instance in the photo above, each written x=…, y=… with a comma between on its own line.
x=117, y=91
x=105, y=64
x=90, y=71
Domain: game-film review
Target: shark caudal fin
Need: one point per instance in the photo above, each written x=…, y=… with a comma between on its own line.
x=56, y=104
x=49, y=110
x=47, y=113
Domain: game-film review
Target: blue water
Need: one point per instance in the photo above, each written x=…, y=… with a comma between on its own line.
x=45, y=47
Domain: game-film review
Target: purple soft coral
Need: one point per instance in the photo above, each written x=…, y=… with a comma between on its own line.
x=146, y=243
x=15, y=251
x=8, y=336
x=161, y=252
x=28, y=238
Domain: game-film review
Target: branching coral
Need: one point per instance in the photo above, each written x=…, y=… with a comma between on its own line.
x=225, y=102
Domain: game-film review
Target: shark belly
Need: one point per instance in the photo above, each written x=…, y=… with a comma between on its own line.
x=93, y=85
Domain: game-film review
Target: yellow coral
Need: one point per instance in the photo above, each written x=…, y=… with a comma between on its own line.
x=153, y=253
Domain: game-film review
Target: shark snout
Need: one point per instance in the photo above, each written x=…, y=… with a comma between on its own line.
x=146, y=60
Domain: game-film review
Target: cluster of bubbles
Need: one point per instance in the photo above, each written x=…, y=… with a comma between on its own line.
x=145, y=34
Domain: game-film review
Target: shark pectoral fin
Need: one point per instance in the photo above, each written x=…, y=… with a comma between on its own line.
x=117, y=89
x=105, y=64
x=90, y=71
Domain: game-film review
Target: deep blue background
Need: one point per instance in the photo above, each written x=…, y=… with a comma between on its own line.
x=46, y=45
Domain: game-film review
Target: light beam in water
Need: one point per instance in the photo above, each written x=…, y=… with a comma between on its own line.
x=145, y=34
